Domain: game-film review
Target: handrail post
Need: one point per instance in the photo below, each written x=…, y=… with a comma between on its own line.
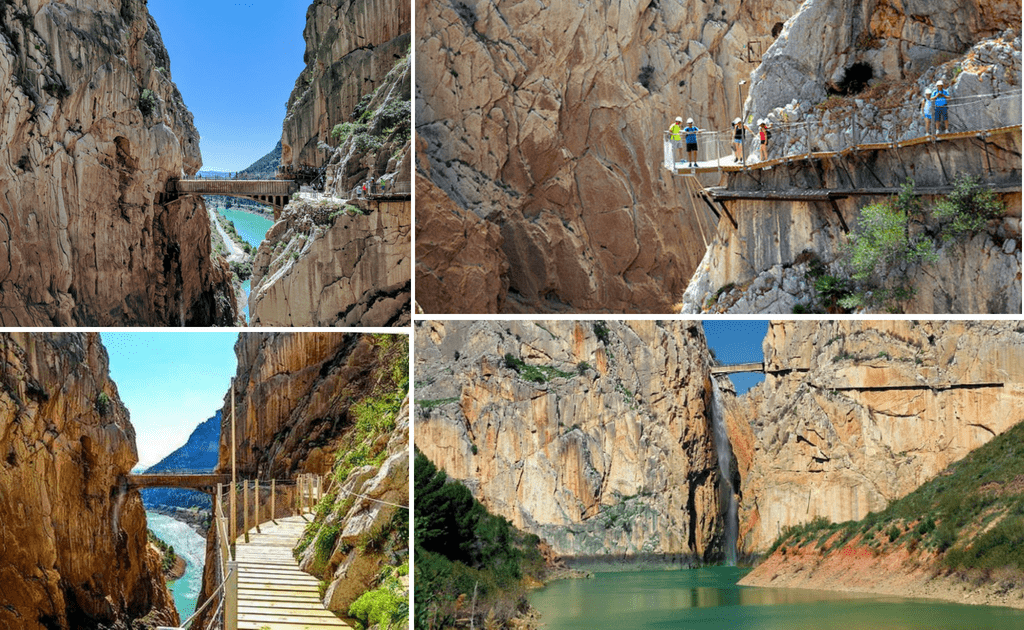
x=245, y=508
x=231, y=597
x=273, y=488
x=256, y=506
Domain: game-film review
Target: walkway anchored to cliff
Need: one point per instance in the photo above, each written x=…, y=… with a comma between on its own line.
x=715, y=142
x=273, y=593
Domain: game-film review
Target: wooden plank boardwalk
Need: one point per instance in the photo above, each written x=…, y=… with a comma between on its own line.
x=273, y=594
x=726, y=163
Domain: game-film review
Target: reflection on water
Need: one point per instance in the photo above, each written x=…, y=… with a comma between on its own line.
x=709, y=598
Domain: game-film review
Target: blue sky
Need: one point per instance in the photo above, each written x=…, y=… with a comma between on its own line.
x=235, y=64
x=738, y=342
x=170, y=382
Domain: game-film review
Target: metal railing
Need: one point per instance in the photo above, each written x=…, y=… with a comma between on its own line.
x=795, y=139
x=305, y=490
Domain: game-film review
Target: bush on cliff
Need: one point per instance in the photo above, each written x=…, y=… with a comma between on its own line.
x=469, y=563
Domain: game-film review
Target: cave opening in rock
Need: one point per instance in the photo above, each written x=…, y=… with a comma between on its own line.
x=854, y=80
x=776, y=29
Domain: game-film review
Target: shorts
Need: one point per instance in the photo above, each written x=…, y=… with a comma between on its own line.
x=941, y=113
x=928, y=115
x=691, y=146
x=737, y=141
x=676, y=144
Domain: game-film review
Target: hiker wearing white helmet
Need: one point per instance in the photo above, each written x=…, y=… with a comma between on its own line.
x=691, y=141
x=676, y=138
x=738, y=128
x=941, y=112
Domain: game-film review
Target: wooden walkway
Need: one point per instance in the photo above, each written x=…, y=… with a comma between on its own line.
x=727, y=163
x=273, y=594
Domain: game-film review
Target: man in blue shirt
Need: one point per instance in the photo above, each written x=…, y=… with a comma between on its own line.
x=941, y=114
x=691, y=141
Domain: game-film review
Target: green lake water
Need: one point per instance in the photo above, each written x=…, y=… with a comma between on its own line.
x=708, y=598
x=251, y=227
x=190, y=546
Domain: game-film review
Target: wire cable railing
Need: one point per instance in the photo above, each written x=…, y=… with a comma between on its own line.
x=800, y=138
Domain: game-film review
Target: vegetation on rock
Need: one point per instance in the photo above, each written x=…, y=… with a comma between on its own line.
x=470, y=564
x=968, y=520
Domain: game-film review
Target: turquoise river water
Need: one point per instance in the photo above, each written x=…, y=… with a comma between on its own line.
x=709, y=598
x=190, y=546
x=253, y=228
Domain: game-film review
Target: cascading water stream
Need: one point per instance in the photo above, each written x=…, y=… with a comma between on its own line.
x=724, y=451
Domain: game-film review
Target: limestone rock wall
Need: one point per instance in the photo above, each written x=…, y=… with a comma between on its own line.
x=288, y=395
x=347, y=270
x=898, y=39
x=854, y=414
x=75, y=554
x=460, y=265
x=546, y=120
x=292, y=396
x=612, y=456
x=348, y=570
x=91, y=129
x=351, y=45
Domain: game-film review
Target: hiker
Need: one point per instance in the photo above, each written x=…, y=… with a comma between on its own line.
x=691, y=141
x=738, y=129
x=927, y=108
x=676, y=138
x=764, y=134
x=941, y=114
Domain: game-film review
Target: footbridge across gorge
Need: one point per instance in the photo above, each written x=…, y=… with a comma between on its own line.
x=192, y=480
x=273, y=192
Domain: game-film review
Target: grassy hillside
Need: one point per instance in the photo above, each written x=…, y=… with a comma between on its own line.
x=470, y=564
x=968, y=520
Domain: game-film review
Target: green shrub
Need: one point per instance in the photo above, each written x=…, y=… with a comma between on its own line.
x=601, y=330
x=966, y=210
x=582, y=367
x=380, y=606
x=103, y=404
x=324, y=543
x=147, y=102
x=893, y=533
x=881, y=242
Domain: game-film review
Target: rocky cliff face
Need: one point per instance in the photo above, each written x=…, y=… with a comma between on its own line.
x=74, y=540
x=290, y=391
x=460, y=265
x=294, y=399
x=594, y=436
x=326, y=266
x=349, y=118
x=91, y=130
x=546, y=121
x=351, y=47
x=892, y=40
x=855, y=414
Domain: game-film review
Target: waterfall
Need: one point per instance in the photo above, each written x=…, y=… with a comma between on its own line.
x=725, y=489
